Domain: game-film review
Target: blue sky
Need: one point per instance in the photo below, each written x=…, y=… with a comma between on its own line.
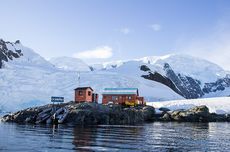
x=104, y=30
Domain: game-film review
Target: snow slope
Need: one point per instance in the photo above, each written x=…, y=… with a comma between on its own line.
x=29, y=58
x=69, y=63
x=29, y=86
x=194, y=67
x=220, y=105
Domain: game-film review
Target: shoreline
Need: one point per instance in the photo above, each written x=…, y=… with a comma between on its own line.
x=98, y=114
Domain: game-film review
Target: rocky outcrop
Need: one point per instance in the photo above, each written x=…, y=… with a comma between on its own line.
x=195, y=114
x=6, y=54
x=219, y=85
x=89, y=114
x=95, y=114
x=162, y=79
x=185, y=86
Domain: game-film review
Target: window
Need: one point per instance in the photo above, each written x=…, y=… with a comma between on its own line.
x=80, y=93
x=89, y=93
x=114, y=98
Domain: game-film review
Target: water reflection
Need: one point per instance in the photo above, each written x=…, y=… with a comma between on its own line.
x=108, y=138
x=177, y=136
x=149, y=137
x=84, y=137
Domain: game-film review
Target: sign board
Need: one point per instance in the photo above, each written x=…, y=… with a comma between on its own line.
x=57, y=99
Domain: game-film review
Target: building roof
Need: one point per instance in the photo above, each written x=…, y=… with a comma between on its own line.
x=123, y=91
x=83, y=88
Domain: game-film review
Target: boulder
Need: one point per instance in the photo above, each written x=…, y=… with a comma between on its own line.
x=227, y=117
x=148, y=113
x=166, y=117
x=195, y=114
x=213, y=117
x=164, y=109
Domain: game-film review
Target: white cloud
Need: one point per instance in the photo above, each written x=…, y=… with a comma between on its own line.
x=125, y=30
x=102, y=52
x=155, y=27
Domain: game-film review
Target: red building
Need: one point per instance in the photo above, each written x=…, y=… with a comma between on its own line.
x=85, y=94
x=125, y=96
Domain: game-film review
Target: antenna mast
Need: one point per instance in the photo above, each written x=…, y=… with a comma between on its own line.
x=78, y=78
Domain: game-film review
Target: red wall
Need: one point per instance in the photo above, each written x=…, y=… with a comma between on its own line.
x=120, y=98
x=84, y=97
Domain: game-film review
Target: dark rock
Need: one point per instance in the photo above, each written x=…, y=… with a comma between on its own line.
x=164, y=109
x=89, y=114
x=188, y=87
x=213, y=117
x=162, y=79
x=196, y=114
x=166, y=117
x=6, y=54
x=183, y=85
x=219, y=85
x=95, y=114
x=227, y=117
x=200, y=110
x=145, y=68
x=91, y=68
x=17, y=42
x=148, y=113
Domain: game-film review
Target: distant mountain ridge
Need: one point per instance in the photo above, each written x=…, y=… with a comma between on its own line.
x=190, y=77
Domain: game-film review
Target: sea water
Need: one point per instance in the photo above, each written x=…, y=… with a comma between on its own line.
x=156, y=136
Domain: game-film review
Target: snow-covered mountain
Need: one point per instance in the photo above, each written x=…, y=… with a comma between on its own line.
x=27, y=79
x=31, y=80
x=70, y=64
x=17, y=55
x=191, y=77
x=7, y=54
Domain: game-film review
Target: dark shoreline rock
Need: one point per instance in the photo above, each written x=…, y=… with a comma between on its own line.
x=89, y=114
x=195, y=114
x=98, y=114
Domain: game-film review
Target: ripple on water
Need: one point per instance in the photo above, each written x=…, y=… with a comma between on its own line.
x=148, y=137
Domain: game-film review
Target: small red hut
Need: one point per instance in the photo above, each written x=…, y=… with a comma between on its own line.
x=85, y=94
x=125, y=96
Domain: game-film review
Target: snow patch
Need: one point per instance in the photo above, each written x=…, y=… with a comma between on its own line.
x=220, y=105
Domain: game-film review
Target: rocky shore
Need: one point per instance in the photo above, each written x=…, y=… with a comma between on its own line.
x=95, y=114
x=86, y=114
x=195, y=114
